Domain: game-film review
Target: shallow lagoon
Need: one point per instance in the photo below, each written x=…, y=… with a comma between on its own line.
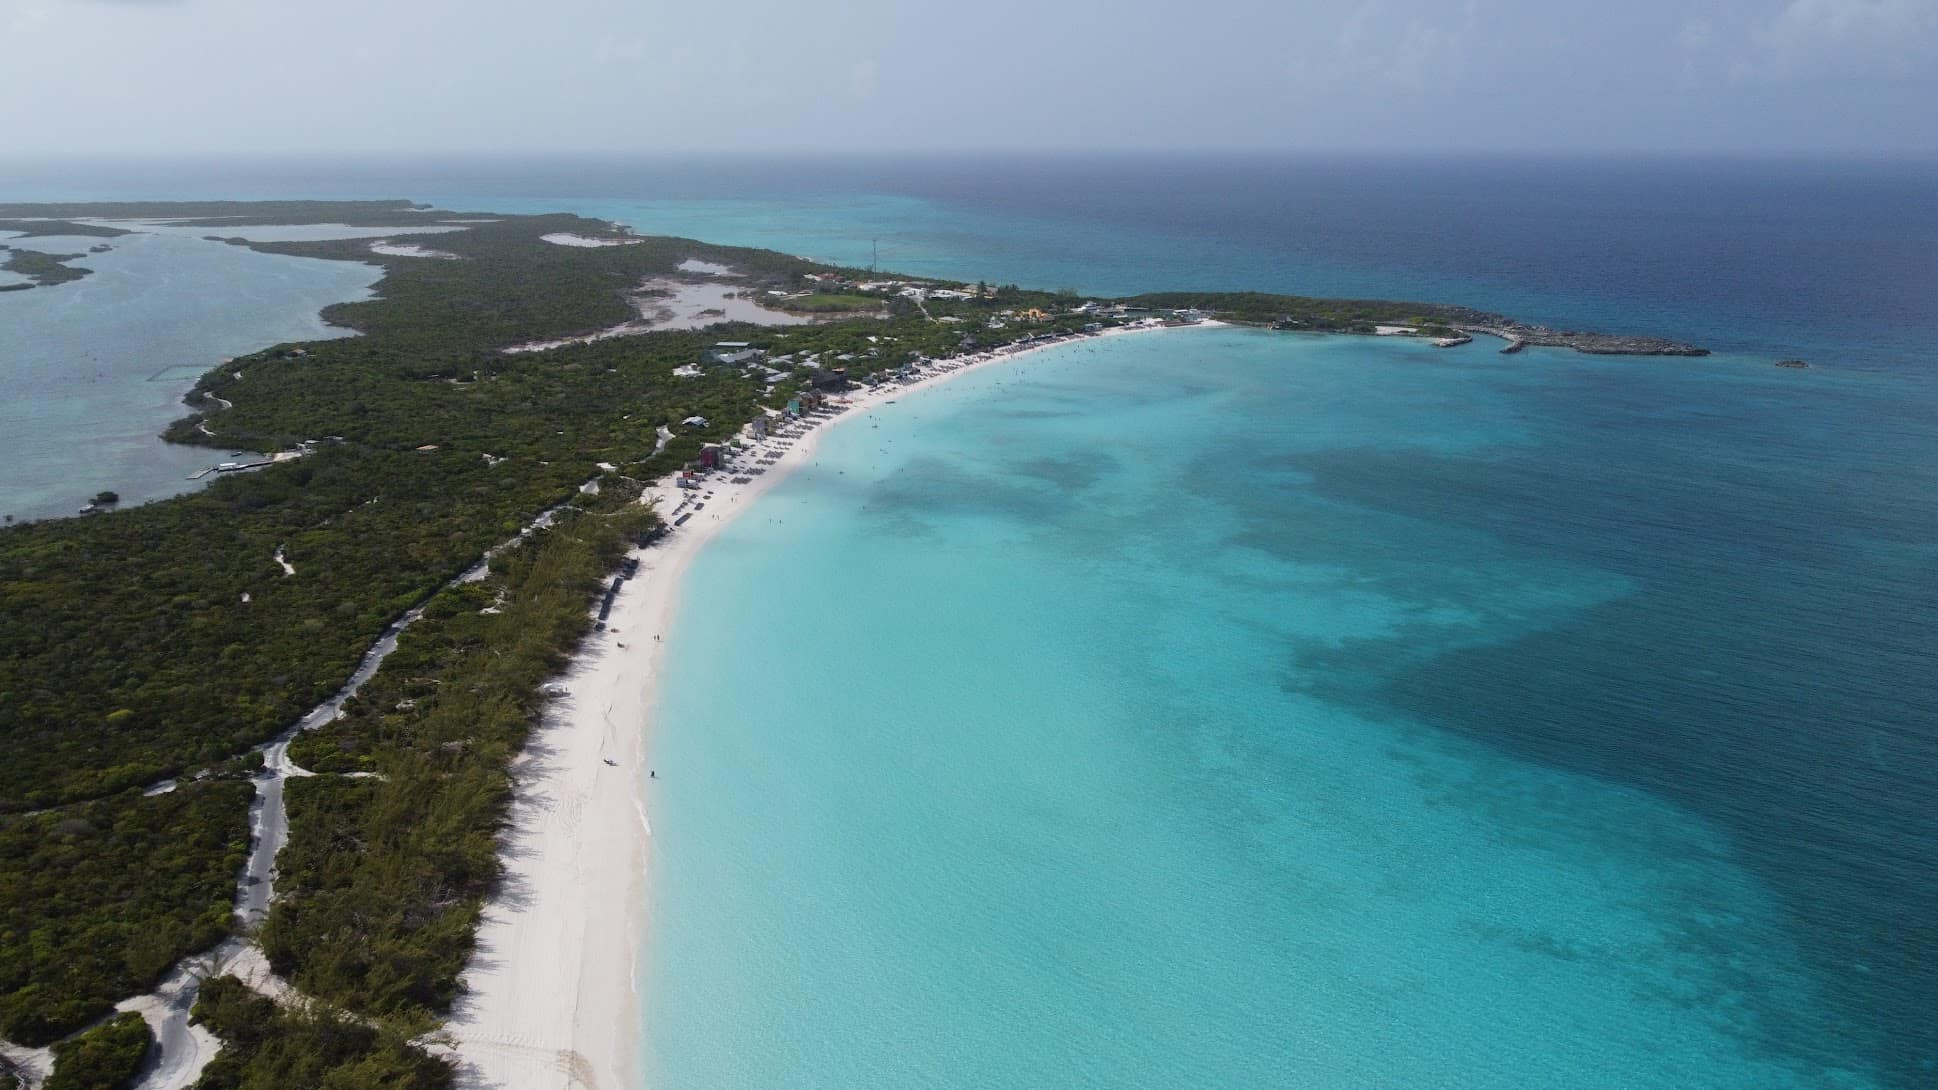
x=94, y=369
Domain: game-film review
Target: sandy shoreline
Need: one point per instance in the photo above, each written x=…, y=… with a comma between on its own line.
x=550, y=998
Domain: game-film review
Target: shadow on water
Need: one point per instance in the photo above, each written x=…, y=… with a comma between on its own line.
x=1771, y=670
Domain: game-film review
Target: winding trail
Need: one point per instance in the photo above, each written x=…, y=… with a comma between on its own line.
x=32, y=1064
x=181, y=1050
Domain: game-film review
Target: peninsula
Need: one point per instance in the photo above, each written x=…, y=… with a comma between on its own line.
x=260, y=742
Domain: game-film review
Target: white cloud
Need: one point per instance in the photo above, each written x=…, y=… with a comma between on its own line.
x=23, y=15
x=1378, y=44
x=1694, y=42
x=1843, y=38
x=863, y=78
x=1695, y=36
x=615, y=50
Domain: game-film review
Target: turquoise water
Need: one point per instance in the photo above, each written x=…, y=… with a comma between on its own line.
x=94, y=369
x=1005, y=747
x=1238, y=711
x=1769, y=673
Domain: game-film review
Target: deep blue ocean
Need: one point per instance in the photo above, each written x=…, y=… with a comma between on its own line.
x=1225, y=709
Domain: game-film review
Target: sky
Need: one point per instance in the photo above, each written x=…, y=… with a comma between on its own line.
x=240, y=77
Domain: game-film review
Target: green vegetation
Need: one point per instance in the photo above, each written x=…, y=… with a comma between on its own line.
x=267, y=1047
x=1299, y=313
x=97, y=900
x=44, y=269
x=510, y=287
x=129, y=654
x=1317, y=315
x=55, y=228
x=165, y=641
x=227, y=213
x=107, y=1057
x=383, y=878
x=820, y=303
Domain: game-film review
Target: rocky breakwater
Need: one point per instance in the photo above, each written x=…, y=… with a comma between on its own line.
x=1520, y=336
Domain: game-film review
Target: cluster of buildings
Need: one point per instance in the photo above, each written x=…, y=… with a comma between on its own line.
x=908, y=289
x=715, y=456
x=734, y=354
x=822, y=379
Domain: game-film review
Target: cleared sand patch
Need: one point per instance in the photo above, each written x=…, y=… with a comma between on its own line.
x=567, y=239
x=674, y=304
x=405, y=249
x=678, y=304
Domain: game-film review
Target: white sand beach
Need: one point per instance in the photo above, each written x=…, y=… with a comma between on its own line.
x=550, y=999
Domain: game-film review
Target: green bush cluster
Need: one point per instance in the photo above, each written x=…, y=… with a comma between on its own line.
x=107, y=1057
x=37, y=227
x=267, y=1047
x=1319, y=315
x=149, y=642
x=165, y=641
x=98, y=900
x=43, y=269
x=384, y=877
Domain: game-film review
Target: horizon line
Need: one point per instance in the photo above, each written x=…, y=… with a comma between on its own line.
x=821, y=153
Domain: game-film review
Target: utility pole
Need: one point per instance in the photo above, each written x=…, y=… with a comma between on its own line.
x=874, y=253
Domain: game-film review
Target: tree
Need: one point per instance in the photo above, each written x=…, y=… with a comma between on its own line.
x=106, y=1057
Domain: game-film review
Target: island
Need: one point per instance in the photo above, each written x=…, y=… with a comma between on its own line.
x=41, y=268
x=255, y=740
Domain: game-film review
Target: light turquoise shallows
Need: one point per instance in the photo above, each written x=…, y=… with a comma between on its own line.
x=1004, y=748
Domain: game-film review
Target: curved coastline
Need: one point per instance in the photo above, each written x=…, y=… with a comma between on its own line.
x=548, y=1001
